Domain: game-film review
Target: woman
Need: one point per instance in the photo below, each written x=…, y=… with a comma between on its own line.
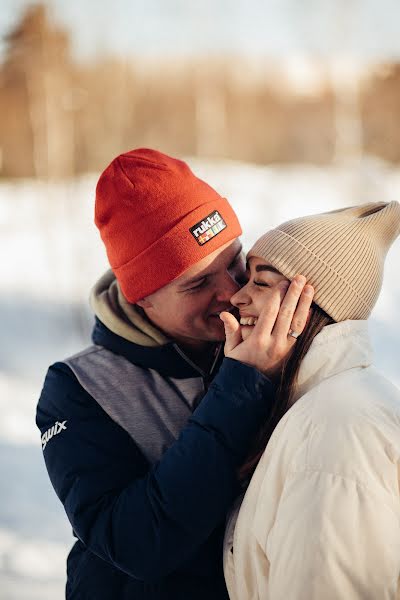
x=321, y=515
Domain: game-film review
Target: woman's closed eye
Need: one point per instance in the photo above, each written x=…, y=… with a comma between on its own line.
x=261, y=283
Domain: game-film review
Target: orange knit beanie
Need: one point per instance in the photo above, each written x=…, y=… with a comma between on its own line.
x=157, y=219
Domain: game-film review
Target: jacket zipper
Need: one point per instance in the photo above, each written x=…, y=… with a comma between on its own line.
x=206, y=377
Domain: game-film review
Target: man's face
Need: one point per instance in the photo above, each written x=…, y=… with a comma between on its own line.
x=187, y=309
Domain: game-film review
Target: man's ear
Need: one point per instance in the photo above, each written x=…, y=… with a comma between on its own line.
x=144, y=303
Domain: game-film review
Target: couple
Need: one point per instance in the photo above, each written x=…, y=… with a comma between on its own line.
x=292, y=435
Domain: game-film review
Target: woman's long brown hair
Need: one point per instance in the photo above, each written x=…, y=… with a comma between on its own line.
x=286, y=387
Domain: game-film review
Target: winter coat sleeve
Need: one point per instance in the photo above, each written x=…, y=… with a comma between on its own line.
x=147, y=522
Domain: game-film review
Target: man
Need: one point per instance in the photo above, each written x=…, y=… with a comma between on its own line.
x=141, y=445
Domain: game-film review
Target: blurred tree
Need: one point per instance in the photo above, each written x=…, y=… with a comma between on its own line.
x=345, y=78
x=37, y=136
x=60, y=117
x=380, y=108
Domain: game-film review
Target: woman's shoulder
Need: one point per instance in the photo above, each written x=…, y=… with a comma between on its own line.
x=353, y=426
x=354, y=397
x=347, y=425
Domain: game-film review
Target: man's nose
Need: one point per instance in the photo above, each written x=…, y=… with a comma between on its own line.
x=229, y=286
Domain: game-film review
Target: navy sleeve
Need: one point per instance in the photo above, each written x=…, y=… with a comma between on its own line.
x=148, y=521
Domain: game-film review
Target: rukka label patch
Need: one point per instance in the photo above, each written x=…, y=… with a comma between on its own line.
x=208, y=228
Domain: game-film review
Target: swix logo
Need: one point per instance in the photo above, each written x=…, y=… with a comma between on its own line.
x=55, y=430
x=208, y=228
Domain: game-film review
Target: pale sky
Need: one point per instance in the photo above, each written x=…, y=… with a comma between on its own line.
x=361, y=28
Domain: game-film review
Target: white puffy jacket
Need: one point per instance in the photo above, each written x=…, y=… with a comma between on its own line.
x=321, y=517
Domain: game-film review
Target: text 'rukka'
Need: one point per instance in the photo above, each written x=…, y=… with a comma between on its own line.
x=208, y=228
x=55, y=430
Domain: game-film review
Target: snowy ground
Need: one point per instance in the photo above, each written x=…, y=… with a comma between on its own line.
x=51, y=255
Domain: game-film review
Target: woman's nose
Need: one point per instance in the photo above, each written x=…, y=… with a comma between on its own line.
x=240, y=298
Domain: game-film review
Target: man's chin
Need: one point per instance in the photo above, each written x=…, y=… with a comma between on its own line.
x=216, y=331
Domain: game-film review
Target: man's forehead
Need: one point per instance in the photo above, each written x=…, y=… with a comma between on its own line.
x=226, y=252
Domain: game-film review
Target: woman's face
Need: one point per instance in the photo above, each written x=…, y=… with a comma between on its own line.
x=251, y=298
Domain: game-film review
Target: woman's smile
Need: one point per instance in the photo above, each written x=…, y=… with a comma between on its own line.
x=251, y=298
x=248, y=321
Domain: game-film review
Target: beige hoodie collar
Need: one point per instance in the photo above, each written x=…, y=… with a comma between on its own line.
x=338, y=347
x=122, y=318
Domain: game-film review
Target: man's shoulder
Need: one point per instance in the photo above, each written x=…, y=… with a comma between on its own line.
x=99, y=360
x=65, y=380
x=62, y=391
x=64, y=399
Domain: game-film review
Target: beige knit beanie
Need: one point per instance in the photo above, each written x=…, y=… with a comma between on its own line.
x=341, y=253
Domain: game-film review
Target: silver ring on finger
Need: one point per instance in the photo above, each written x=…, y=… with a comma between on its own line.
x=293, y=334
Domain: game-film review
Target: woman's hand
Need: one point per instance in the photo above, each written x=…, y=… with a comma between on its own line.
x=269, y=343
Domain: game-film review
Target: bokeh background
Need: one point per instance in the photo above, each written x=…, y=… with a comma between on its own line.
x=285, y=107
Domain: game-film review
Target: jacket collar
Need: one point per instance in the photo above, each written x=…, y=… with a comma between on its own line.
x=122, y=318
x=124, y=329
x=335, y=349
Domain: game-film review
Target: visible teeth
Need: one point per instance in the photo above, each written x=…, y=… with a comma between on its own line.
x=248, y=320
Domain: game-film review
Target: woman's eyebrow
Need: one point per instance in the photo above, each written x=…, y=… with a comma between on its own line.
x=267, y=268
